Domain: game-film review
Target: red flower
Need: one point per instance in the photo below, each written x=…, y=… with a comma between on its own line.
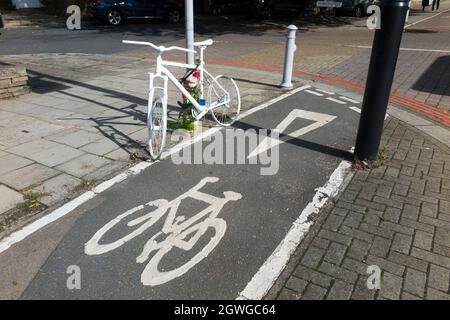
x=197, y=74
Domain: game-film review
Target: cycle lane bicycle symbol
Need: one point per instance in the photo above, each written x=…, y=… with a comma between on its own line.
x=176, y=230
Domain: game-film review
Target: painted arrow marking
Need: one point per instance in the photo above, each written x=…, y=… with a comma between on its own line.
x=320, y=119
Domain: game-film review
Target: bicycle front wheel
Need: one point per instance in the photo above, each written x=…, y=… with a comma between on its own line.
x=224, y=89
x=157, y=125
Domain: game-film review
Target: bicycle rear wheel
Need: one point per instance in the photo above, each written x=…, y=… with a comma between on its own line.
x=157, y=126
x=220, y=90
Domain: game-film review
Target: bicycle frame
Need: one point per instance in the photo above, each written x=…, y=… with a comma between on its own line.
x=165, y=74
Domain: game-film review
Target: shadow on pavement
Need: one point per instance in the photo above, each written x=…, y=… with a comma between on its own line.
x=436, y=79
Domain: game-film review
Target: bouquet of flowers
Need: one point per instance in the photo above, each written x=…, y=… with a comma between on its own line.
x=193, y=86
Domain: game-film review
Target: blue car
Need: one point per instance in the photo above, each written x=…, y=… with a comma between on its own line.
x=357, y=7
x=116, y=12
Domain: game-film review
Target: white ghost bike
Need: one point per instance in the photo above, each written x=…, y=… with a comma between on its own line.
x=223, y=100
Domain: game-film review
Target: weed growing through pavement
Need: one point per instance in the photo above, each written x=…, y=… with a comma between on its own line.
x=381, y=160
x=84, y=185
x=31, y=200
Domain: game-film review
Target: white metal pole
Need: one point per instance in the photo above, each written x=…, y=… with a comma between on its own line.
x=289, y=57
x=189, y=12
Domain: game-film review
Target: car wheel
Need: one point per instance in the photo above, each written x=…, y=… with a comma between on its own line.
x=114, y=17
x=358, y=11
x=174, y=16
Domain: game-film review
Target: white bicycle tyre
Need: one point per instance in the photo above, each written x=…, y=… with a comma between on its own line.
x=234, y=96
x=161, y=118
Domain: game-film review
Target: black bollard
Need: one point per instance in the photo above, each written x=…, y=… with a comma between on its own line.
x=383, y=61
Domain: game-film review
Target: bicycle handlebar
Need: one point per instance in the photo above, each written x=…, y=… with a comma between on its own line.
x=158, y=48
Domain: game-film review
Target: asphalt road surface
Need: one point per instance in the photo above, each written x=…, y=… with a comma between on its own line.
x=100, y=39
x=209, y=244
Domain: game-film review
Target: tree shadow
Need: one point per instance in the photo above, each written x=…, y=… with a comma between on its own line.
x=436, y=79
x=313, y=146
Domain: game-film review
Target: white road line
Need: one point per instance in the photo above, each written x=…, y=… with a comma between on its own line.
x=314, y=93
x=327, y=92
x=359, y=111
x=434, y=16
x=349, y=100
x=269, y=272
x=408, y=49
x=336, y=100
x=355, y=109
x=31, y=228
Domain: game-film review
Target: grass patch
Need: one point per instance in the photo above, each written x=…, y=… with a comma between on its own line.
x=185, y=121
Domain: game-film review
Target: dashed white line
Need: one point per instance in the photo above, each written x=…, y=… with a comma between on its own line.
x=314, y=93
x=359, y=111
x=349, y=100
x=336, y=100
x=327, y=92
x=355, y=109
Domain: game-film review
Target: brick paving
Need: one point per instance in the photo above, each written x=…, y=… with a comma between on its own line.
x=396, y=217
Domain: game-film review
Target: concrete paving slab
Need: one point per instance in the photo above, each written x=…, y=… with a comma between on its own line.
x=28, y=176
x=105, y=170
x=78, y=120
x=83, y=165
x=31, y=110
x=74, y=138
x=27, y=132
x=101, y=147
x=408, y=117
x=57, y=188
x=6, y=115
x=18, y=120
x=8, y=198
x=119, y=154
x=70, y=105
x=140, y=136
x=439, y=133
x=31, y=147
x=55, y=114
x=90, y=109
x=48, y=101
x=12, y=162
x=56, y=155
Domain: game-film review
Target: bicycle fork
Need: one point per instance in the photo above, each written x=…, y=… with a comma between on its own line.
x=152, y=89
